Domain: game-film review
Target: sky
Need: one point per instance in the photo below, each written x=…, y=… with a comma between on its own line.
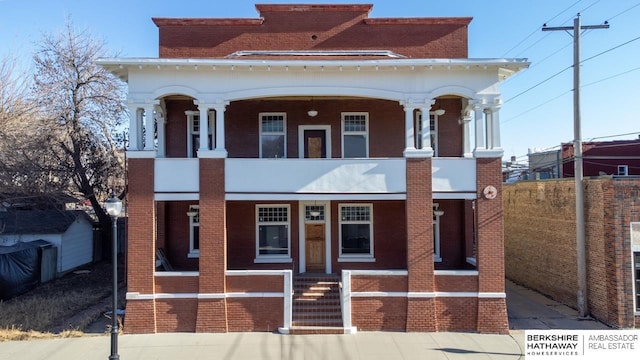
x=538, y=102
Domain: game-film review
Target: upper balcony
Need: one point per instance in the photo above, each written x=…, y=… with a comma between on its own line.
x=269, y=179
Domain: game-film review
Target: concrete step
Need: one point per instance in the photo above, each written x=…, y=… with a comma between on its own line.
x=316, y=330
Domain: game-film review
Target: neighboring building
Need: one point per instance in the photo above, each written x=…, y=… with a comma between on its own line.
x=70, y=231
x=540, y=243
x=314, y=144
x=620, y=158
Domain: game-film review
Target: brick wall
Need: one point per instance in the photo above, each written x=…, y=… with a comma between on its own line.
x=326, y=27
x=492, y=313
x=457, y=314
x=140, y=245
x=379, y=314
x=255, y=314
x=213, y=246
x=540, y=242
x=419, y=211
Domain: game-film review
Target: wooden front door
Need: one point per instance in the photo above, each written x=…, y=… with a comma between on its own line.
x=314, y=247
x=315, y=144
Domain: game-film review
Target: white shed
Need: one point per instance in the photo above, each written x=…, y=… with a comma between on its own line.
x=71, y=231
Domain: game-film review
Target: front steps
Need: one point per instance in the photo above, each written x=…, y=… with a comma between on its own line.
x=316, y=305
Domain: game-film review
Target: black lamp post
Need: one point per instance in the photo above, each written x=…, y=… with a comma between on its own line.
x=113, y=205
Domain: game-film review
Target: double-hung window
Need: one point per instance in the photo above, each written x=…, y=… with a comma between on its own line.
x=194, y=231
x=356, y=232
x=433, y=132
x=193, y=133
x=273, y=135
x=273, y=242
x=436, y=232
x=355, y=135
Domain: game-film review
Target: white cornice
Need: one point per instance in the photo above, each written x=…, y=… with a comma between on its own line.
x=122, y=66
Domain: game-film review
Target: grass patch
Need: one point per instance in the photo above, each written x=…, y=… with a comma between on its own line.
x=52, y=309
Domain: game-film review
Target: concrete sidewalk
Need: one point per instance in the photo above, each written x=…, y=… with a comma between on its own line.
x=364, y=345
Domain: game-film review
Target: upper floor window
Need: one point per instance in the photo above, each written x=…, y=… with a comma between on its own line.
x=355, y=135
x=194, y=230
x=433, y=131
x=193, y=133
x=273, y=135
x=273, y=238
x=356, y=232
x=623, y=170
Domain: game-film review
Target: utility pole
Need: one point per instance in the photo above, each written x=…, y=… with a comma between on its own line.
x=583, y=307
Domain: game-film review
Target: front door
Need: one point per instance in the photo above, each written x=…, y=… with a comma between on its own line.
x=315, y=144
x=315, y=247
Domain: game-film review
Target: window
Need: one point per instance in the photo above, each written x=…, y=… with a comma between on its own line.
x=272, y=135
x=193, y=133
x=272, y=238
x=437, y=213
x=623, y=170
x=355, y=135
x=194, y=231
x=356, y=232
x=433, y=131
x=636, y=265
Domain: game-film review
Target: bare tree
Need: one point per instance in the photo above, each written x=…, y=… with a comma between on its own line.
x=80, y=108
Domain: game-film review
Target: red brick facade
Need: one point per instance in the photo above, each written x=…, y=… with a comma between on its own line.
x=229, y=283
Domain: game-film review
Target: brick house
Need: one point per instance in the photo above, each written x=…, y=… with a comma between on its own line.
x=311, y=170
x=619, y=157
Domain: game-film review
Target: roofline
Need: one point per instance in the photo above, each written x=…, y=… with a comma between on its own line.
x=419, y=21
x=120, y=66
x=207, y=21
x=364, y=8
x=433, y=62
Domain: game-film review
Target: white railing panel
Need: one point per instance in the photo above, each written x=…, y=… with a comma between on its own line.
x=378, y=176
x=454, y=175
x=176, y=175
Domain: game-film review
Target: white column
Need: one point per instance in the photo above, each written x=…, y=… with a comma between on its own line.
x=495, y=127
x=134, y=119
x=479, y=114
x=409, y=130
x=488, y=128
x=160, y=119
x=204, y=127
x=466, y=131
x=426, y=128
x=219, y=133
x=149, y=122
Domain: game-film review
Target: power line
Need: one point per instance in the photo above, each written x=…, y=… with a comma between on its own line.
x=536, y=107
x=540, y=83
x=537, y=29
x=625, y=11
x=611, y=77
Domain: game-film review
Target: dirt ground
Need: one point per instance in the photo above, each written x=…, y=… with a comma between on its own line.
x=76, y=301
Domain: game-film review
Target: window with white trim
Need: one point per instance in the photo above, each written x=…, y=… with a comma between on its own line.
x=623, y=170
x=636, y=268
x=437, y=213
x=194, y=230
x=273, y=233
x=635, y=264
x=433, y=132
x=355, y=135
x=193, y=133
x=356, y=230
x=273, y=135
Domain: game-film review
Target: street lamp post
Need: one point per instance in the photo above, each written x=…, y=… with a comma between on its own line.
x=113, y=206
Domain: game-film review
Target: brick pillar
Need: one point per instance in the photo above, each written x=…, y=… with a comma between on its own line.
x=492, y=309
x=212, y=309
x=419, y=206
x=141, y=315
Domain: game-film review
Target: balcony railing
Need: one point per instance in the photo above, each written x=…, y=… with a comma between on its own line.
x=315, y=176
